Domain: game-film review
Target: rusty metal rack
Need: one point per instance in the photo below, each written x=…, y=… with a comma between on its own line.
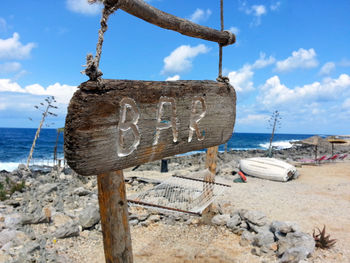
x=179, y=194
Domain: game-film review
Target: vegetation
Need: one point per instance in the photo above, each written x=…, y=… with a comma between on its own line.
x=274, y=123
x=46, y=110
x=322, y=240
x=9, y=187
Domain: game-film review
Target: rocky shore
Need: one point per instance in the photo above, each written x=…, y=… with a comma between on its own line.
x=46, y=214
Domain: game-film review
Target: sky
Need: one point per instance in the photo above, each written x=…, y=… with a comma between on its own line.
x=291, y=55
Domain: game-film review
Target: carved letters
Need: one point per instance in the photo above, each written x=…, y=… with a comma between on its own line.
x=131, y=126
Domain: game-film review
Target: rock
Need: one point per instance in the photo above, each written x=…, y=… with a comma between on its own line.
x=256, y=252
x=35, y=218
x=89, y=217
x=13, y=236
x=153, y=218
x=6, y=236
x=47, y=188
x=255, y=217
x=284, y=227
x=31, y=247
x=234, y=221
x=220, y=220
x=264, y=239
x=296, y=245
x=133, y=222
x=246, y=238
x=81, y=191
x=70, y=229
x=244, y=225
x=59, y=219
x=294, y=255
x=13, y=221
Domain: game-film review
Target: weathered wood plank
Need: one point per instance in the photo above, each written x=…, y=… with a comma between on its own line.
x=123, y=123
x=114, y=218
x=162, y=19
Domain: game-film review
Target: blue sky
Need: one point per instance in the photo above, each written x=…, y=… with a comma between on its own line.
x=291, y=56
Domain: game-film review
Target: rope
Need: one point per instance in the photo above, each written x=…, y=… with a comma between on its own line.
x=220, y=77
x=92, y=64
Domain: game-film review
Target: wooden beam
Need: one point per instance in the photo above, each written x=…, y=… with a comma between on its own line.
x=114, y=218
x=122, y=123
x=162, y=19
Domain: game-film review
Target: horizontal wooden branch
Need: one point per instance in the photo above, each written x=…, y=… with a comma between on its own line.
x=162, y=19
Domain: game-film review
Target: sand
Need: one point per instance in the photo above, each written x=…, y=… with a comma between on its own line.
x=320, y=196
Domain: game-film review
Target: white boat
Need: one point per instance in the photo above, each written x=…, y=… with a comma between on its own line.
x=268, y=168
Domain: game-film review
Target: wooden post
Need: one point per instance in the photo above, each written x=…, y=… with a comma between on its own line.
x=114, y=217
x=210, y=163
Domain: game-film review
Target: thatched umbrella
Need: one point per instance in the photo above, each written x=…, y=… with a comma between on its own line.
x=314, y=140
x=333, y=140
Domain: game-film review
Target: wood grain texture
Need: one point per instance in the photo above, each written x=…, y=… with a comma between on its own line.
x=162, y=19
x=114, y=218
x=91, y=130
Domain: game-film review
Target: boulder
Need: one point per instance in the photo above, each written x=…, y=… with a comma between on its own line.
x=47, y=188
x=246, y=238
x=81, y=191
x=220, y=220
x=89, y=217
x=255, y=217
x=284, y=227
x=296, y=245
x=264, y=239
x=13, y=221
x=234, y=221
x=70, y=229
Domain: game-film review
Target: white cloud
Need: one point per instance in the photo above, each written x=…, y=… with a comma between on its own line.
x=12, y=48
x=10, y=67
x=241, y=79
x=62, y=93
x=173, y=78
x=3, y=106
x=327, y=68
x=180, y=59
x=300, y=59
x=275, y=6
x=200, y=15
x=253, y=119
x=8, y=85
x=234, y=30
x=263, y=61
x=83, y=7
x=258, y=10
x=255, y=10
x=274, y=93
x=3, y=25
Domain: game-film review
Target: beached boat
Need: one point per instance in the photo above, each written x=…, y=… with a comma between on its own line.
x=268, y=168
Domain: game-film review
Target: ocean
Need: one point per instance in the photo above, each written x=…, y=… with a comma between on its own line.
x=15, y=144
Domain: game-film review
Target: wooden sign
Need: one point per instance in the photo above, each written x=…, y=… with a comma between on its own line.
x=123, y=123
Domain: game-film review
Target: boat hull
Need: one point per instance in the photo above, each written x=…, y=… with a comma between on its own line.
x=268, y=168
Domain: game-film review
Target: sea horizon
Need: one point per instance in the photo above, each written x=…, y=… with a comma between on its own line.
x=15, y=144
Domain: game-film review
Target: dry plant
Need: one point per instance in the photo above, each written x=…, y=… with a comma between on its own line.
x=322, y=240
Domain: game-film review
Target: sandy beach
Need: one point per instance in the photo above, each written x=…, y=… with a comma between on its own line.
x=320, y=196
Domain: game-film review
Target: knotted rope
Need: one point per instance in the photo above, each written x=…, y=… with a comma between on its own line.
x=220, y=77
x=92, y=64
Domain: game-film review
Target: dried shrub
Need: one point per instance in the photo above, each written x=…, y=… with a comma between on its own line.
x=322, y=240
